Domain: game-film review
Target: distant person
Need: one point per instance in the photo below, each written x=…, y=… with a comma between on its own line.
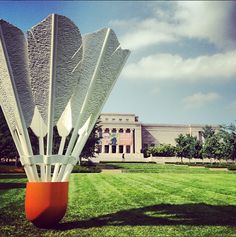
x=123, y=157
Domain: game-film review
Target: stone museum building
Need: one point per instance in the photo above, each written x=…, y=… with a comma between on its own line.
x=124, y=134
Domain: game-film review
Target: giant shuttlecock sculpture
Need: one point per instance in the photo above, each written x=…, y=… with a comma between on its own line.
x=54, y=78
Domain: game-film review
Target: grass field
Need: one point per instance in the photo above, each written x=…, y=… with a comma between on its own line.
x=151, y=200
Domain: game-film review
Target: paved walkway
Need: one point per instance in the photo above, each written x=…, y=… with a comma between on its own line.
x=111, y=171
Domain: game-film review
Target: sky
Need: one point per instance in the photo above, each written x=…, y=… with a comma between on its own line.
x=182, y=67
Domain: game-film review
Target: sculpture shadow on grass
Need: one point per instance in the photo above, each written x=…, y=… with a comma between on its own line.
x=164, y=214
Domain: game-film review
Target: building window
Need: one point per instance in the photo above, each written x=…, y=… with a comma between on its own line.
x=107, y=130
x=113, y=130
x=127, y=149
x=120, y=119
x=113, y=149
x=106, y=119
x=128, y=130
x=106, y=150
x=121, y=130
x=121, y=149
x=127, y=120
x=113, y=119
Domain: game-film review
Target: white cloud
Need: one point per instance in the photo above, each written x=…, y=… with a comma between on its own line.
x=208, y=20
x=200, y=99
x=211, y=20
x=174, y=67
x=141, y=34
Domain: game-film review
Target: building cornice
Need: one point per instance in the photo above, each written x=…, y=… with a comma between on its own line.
x=121, y=123
x=179, y=125
x=117, y=114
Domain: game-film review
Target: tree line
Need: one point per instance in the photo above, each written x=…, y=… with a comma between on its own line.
x=220, y=144
x=8, y=149
x=217, y=144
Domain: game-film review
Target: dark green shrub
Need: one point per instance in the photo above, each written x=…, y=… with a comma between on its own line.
x=163, y=150
x=84, y=169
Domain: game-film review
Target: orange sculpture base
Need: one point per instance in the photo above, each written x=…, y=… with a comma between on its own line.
x=46, y=202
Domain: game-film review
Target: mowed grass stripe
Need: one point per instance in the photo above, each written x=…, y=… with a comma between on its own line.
x=218, y=179
x=135, y=191
x=83, y=197
x=108, y=189
x=125, y=187
x=186, y=191
x=171, y=191
x=135, y=181
x=98, y=195
x=174, y=191
x=200, y=182
x=211, y=184
x=152, y=185
x=144, y=184
x=209, y=187
x=197, y=193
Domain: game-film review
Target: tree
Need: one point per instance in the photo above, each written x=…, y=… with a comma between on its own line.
x=165, y=150
x=146, y=152
x=7, y=146
x=8, y=149
x=214, y=147
x=220, y=145
x=228, y=134
x=90, y=147
x=208, y=132
x=188, y=146
x=198, y=149
x=180, y=146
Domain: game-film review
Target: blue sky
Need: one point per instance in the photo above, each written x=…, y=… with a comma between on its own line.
x=182, y=65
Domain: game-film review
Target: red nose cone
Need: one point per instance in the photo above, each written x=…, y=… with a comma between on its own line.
x=46, y=202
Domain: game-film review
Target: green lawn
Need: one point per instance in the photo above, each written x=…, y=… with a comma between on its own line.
x=161, y=200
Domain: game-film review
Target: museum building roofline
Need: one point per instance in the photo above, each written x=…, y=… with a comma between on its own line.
x=136, y=120
x=177, y=125
x=117, y=114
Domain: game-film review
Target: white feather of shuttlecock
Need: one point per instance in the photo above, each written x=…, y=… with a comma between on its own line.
x=99, y=70
x=55, y=50
x=66, y=84
x=15, y=92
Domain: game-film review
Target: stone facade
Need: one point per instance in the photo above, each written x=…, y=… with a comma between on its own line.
x=120, y=134
x=123, y=135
